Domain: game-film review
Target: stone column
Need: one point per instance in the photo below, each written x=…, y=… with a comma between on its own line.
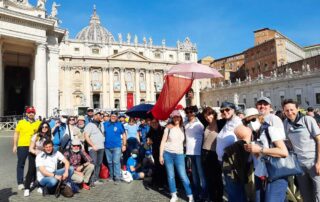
x=122, y=91
x=87, y=91
x=148, y=86
x=1, y=81
x=105, y=78
x=41, y=80
x=68, y=93
x=137, y=89
x=53, y=79
x=152, y=87
x=111, y=94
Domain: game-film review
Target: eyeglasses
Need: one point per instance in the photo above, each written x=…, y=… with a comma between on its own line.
x=72, y=119
x=45, y=127
x=225, y=110
x=246, y=122
x=76, y=145
x=264, y=103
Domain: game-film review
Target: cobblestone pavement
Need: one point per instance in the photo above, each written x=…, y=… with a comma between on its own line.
x=134, y=191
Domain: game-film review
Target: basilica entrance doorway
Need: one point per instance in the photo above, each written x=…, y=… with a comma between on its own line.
x=17, y=93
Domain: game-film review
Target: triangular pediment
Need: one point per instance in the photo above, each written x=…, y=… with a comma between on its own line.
x=130, y=55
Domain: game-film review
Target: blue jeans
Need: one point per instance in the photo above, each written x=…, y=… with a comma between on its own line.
x=113, y=158
x=97, y=157
x=271, y=191
x=198, y=178
x=51, y=182
x=172, y=160
x=235, y=190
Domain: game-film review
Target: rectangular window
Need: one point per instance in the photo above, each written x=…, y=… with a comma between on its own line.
x=76, y=49
x=281, y=98
x=317, y=98
x=244, y=100
x=299, y=99
x=115, y=51
x=187, y=56
x=141, y=53
x=95, y=51
x=171, y=57
x=157, y=55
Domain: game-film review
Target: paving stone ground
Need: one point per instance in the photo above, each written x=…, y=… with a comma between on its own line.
x=135, y=191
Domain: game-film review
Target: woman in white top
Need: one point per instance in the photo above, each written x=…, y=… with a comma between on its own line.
x=171, y=155
x=36, y=147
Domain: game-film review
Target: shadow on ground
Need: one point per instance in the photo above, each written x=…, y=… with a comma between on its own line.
x=6, y=193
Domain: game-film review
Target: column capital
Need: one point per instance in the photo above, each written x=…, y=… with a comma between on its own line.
x=137, y=69
x=122, y=69
x=41, y=45
x=86, y=68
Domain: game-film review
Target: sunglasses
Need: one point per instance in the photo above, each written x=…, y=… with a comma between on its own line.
x=45, y=126
x=76, y=145
x=225, y=110
x=189, y=112
x=72, y=119
x=246, y=122
x=264, y=103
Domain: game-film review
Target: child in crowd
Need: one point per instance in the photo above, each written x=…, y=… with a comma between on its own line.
x=133, y=166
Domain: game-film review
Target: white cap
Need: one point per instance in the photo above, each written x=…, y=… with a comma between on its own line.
x=175, y=113
x=250, y=112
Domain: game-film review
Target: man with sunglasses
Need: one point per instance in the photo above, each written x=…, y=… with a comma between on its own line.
x=225, y=138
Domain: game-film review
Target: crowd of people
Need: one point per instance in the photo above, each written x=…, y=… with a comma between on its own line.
x=211, y=152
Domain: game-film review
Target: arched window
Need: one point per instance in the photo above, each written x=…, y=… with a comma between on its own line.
x=116, y=76
x=95, y=75
x=129, y=76
x=77, y=75
x=158, y=78
x=141, y=76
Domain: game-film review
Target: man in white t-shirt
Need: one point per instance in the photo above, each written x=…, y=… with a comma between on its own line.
x=46, y=163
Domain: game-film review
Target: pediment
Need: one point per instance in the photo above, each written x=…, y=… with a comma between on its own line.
x=129, y=55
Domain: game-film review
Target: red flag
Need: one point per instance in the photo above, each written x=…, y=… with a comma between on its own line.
x=173, y=90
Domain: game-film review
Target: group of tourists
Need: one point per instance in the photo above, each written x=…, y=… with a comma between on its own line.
x=211, y=152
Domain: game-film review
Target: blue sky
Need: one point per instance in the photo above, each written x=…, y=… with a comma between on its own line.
x=219, y=28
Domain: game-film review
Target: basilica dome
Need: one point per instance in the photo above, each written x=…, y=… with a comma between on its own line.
x=95, y=32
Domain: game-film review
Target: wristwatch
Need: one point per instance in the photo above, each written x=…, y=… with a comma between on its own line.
x=261, y=150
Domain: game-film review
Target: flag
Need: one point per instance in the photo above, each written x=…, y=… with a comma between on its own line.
x=172, y=92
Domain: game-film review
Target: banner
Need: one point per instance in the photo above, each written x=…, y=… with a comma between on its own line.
x=172, y=92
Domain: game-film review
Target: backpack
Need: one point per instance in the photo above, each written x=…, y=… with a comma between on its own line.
x=64, y=189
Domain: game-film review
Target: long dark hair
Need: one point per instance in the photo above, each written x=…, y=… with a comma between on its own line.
x=47, y=135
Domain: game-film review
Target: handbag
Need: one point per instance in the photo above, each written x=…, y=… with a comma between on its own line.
x=281, y=167
x=104, y=172
x=64, y=189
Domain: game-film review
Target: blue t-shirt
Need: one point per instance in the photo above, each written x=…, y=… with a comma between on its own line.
x=113, y=132
x=131, y=130
x=144, y=129
x=131, y=162
x=58, y=132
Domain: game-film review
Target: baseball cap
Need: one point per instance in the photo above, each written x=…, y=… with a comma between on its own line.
x=250, y=112
x=81, y=118
x=30, y=110
x=266, y=99
x=76, y=142
x=175, y=113
x=97, y=111
x=227, y=105
x=90, y=109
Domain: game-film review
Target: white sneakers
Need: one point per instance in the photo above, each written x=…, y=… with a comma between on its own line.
x=20, y=187
x=174, y=197
x=26, y=192
x=190, y=198
x=39, y=190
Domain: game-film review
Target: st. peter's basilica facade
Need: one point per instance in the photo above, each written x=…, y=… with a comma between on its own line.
x=41, y=66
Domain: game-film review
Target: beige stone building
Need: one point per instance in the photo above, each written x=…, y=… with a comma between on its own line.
x=109, y=72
